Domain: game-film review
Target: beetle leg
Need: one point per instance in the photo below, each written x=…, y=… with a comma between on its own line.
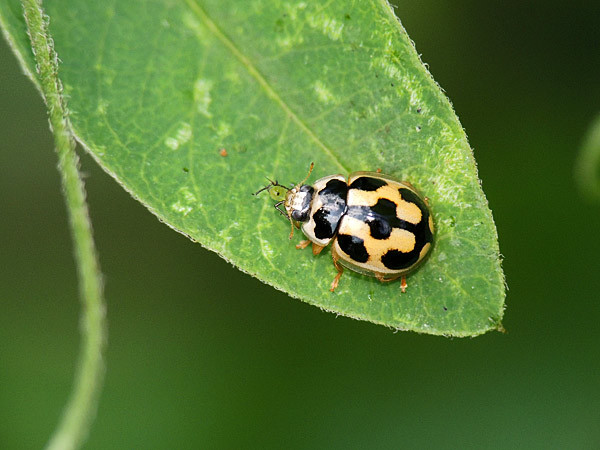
x=381, y=277
x=278, y=208
x=316, y=248
x=292, y=229
x=340, y=270
x=302, y=244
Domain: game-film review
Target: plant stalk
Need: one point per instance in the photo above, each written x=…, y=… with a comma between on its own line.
x=82, y=405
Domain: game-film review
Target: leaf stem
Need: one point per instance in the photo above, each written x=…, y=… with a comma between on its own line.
x=82, y=405
x=587, y=167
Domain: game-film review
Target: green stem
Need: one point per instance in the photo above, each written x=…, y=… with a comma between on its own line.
x=82, y=404
x=587, y=167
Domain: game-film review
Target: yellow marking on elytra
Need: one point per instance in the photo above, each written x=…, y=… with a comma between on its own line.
x=424, y=251
x=400, y=239
x=407, y=211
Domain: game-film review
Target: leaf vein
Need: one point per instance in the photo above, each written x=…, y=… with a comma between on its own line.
x=215, y=30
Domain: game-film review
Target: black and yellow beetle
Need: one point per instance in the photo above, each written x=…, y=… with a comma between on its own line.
x=378, y=226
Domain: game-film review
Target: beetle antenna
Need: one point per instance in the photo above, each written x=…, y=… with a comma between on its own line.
x=276, y=183
x=310, y=169
x=263, y=189
x=270, y=185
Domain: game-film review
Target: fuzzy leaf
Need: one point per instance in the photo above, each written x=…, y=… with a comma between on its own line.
x=157, y=89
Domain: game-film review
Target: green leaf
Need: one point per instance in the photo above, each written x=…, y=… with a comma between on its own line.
x=156, y=89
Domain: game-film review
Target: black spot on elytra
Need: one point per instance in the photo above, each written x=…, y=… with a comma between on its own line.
x=397, y=260
x=327, y=217
x=382, y=218
x=409, y=196
x=353, y=247
x=367, y=183
x=380, y=229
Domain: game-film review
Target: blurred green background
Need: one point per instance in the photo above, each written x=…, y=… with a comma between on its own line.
x=203, y=356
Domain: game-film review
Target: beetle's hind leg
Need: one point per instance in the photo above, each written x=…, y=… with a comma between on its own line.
x=381, y=277
x=403, y=284
x=338, y=267
x=316, y=248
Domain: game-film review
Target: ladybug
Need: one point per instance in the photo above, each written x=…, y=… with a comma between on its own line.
x=378, y=226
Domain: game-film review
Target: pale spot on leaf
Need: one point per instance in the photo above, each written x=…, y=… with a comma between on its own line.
x=328, y=26
x=202, y=96
x=182, y=136
x=323, y=94
x=186, y=201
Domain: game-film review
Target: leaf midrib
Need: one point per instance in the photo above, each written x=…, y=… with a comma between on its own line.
x=252, y=70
